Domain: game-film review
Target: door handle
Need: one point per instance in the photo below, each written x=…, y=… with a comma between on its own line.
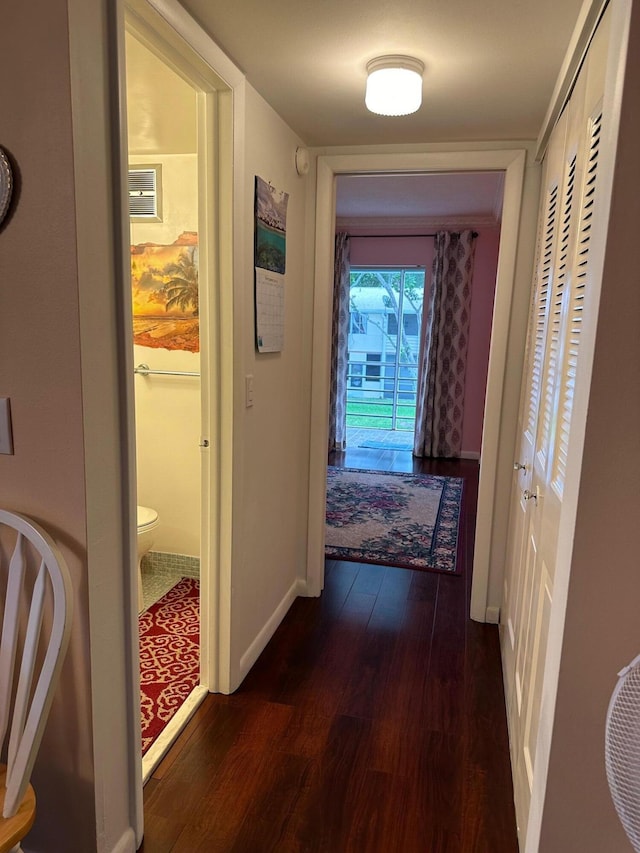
x=528, y=495
x=517, y=466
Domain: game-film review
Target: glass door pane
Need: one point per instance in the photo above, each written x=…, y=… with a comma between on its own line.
x=384, y=335
x=409, y=348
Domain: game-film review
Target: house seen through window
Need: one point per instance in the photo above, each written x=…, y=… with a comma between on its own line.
x=384, y=336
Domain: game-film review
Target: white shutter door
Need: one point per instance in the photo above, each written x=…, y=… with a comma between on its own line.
x=552, y=359
x=557, y=316
x=580, y=282
x=515, y=581
x=542, y=308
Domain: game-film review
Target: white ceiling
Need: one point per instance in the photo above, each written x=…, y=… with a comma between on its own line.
x=417, y=201
x=490, y=71
x=490, y=65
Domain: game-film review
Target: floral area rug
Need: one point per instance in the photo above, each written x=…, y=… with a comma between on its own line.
x=169, y=656
x=405, y=520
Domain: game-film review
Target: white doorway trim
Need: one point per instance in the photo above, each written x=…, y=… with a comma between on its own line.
x=220, y=87
x=512, y=162
x=191, y=52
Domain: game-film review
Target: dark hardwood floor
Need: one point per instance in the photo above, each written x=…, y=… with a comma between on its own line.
x=372, y=723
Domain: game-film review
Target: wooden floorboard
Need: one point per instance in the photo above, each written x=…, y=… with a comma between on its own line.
x=373, y=722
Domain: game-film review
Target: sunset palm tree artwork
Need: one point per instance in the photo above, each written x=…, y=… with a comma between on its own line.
x=165, y=295
x=182, y=288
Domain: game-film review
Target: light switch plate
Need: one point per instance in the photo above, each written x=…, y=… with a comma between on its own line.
x=6, y=433
x=248, y=388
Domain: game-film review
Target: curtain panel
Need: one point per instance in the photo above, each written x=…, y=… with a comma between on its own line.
x=339, y=345
x=443, y=348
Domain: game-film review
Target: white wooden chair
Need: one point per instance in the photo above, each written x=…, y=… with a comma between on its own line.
x=25, y=717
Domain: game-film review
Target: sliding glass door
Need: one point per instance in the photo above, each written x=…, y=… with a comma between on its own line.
x=384, y=338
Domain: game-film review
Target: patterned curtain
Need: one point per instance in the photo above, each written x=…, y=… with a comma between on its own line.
x=444, y=339
x=339, y=343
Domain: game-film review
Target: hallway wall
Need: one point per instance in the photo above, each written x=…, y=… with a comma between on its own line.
x=271, y=436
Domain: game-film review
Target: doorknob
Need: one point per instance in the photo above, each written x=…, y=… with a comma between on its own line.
x=527, y=495
x=517, y=466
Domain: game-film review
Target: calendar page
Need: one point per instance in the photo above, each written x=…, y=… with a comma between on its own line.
x=269, y=311
x=270, y=264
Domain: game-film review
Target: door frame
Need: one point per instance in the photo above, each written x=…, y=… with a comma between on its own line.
x=181, y=42
x=512, y=162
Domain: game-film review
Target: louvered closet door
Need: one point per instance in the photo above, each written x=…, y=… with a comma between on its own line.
x=553, y=355
x=515, y=581
x=522, y=576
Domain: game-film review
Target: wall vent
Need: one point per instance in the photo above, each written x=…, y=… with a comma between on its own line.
x=145, y=193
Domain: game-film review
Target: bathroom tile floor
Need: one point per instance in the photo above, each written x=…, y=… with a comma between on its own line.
x=156, y=581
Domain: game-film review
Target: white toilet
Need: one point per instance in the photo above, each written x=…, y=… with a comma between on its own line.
x=147, y=523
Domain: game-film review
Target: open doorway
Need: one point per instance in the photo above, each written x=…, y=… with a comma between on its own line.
x=165, y=233
x=180, y=168
x=391, y=221
x=409, y=426
x=330, y=168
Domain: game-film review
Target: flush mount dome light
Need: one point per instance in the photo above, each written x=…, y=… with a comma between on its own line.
x=394, y=85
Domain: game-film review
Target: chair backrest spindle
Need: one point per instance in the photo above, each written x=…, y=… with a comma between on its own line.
x=9, y=639
x=31, y=703
x=25, y=680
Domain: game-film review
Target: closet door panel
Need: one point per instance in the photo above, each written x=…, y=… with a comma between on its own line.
x=553, y=353
x=520, y=611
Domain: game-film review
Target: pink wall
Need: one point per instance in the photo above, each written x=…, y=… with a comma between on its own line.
x=399, y=251
x=40, y=372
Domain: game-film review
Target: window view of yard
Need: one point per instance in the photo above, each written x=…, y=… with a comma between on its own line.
x=379, y=415
x=384, y=336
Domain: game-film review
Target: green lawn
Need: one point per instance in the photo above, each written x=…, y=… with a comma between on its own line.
x=378, y=415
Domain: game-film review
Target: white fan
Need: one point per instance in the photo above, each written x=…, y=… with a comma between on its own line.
x=622, y=749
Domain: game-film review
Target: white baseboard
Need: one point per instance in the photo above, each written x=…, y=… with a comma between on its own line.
x=470, y=454
x=298, y=587
x=493, y=615
x=127, y=842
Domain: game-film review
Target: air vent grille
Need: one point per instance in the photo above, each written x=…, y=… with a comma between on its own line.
x=144, y=192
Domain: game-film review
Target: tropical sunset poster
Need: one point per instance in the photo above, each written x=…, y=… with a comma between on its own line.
x=271, y=227
x=164, y=282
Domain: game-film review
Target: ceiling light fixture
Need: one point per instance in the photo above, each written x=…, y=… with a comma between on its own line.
x=394, y=85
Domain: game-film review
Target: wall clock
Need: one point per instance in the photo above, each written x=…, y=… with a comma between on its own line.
x=6, y=184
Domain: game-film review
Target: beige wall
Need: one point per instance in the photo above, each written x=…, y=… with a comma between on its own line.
x=168, y=408
x=167, y=448
x=179, y=197
x=271, y=526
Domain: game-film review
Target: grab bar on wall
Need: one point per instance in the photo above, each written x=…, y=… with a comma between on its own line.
x=145, y=370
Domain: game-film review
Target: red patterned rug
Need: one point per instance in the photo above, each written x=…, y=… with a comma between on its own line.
x=169, y=656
